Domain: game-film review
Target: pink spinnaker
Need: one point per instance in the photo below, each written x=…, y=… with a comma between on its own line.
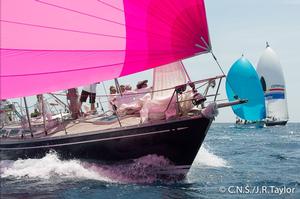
x=51, y=45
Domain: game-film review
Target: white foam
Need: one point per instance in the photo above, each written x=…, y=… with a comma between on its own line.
x=141, y=170
x=47, y=167
x=208, y=159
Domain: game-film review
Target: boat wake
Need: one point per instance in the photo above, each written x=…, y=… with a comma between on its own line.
x=48, y=167
x=206, y=158
x=147, y=169
x=204, y=161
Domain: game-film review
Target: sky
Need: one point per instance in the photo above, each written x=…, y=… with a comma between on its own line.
x=242, y=27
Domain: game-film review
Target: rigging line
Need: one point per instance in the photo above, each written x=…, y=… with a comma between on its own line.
x=185, y=71
x=9, y=51
x=201, y=85
x=208, y=46
x=107, y=20
x=187, y=16
x=215, y=58
x=126, y=12
x=63, y=29
x=95, y=67
x=85, y=32
x=107, y=97
x=80, y=69
x=158, y=17
x=199, y=46
x=62, y=71
x=76, y=11
x=107, y=4
x=104, y=89
x=187, y=28
x=90, y=33
x=34, y=104
x=151, y=13
x=224, y=74
x=167, y=58
x=100, y=50
x=212, y=53
x=157, y=57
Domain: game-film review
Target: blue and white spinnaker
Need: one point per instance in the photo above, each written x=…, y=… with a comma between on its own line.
x=243, y=83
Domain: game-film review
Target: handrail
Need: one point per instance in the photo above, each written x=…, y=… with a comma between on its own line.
x=165, y=89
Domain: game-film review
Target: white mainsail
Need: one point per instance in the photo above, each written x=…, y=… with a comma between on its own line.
x=271, y=76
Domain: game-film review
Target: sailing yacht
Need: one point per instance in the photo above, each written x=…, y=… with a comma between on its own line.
x=51, y=46
x=243, y=82
x=264, y=89
x=272, y=80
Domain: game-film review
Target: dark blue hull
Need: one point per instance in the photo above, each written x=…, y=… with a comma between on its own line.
x=276, y=123
x=179, y=141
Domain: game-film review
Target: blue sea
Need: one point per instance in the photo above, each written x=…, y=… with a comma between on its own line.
x=232, y=163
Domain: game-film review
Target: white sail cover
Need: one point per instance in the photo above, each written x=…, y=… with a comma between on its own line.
x=163, y=105
x=168, y=76
x=271, y=76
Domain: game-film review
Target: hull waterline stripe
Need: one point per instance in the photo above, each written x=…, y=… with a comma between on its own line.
x=90, y=141
x=276, y=89
x=179, y=169
x=271, y=96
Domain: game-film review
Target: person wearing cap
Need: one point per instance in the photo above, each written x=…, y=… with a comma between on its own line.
x=142, y=84
x=142, y=89
x=122, y=88
x=126, y=97
x=128, y=88
x=112, y=90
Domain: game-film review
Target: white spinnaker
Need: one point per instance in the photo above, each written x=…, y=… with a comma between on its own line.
x=270, y=71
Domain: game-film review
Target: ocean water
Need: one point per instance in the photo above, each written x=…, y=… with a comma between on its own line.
x=232, y=163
